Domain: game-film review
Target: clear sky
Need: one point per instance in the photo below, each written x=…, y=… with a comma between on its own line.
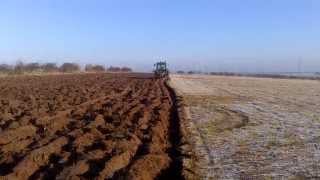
x=211, y=35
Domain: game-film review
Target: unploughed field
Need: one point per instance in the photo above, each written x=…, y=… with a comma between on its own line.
x=87, y=126
x=252, y=128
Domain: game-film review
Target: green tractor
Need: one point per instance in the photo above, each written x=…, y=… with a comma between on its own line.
x=161, y=70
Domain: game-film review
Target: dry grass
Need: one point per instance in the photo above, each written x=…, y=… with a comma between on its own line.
x=258, y=128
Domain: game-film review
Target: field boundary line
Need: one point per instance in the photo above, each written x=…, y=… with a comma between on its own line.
x=191, y=165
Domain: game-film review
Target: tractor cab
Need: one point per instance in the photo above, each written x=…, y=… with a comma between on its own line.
x=161, y=70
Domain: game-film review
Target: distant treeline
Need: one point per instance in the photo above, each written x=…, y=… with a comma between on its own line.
x=278, y=76
x=20, y=68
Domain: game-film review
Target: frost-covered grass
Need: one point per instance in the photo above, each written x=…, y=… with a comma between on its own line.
x=254, y=127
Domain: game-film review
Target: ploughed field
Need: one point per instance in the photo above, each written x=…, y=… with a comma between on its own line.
x=86, y=126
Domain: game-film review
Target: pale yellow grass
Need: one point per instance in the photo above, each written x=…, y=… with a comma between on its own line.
x=253, y=128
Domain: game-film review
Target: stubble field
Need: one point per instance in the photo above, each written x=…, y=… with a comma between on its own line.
x=252, y=128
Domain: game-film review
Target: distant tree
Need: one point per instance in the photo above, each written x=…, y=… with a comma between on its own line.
x=98, y=68
x=114, y=69
x=180, y=72
x=191, y=72
x=19, y=67
x=94, y=68
x=126, y=69
x=69, y=67
x=4, y=68
x=31, y=67
x=50, y=67
x=88, y=67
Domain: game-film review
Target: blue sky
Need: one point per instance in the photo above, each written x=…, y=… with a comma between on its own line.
x=211, y=35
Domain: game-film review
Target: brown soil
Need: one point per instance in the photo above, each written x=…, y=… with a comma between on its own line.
x=88, y=126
